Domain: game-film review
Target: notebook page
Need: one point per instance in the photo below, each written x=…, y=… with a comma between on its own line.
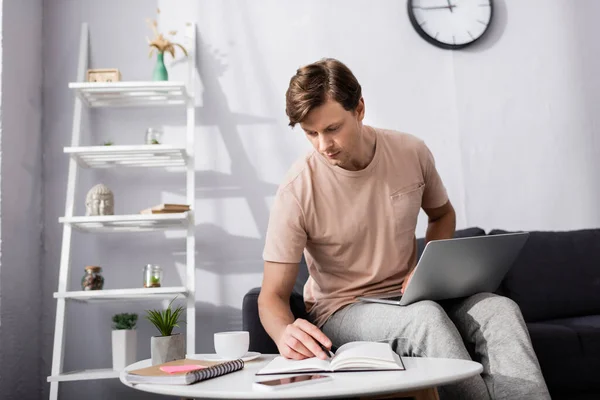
x=281, y=364
x=375, y=352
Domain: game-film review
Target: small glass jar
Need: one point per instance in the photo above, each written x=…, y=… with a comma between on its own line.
x=152, y=276
x=93, y=279
x=154, y=136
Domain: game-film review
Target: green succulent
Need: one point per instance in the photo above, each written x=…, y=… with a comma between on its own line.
x=124, y=321
x=165, y=320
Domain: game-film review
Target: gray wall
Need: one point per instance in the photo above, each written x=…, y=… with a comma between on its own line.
x=510, y=122
x=21, y=194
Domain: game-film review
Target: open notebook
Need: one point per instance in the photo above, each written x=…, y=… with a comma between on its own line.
x=353, y=356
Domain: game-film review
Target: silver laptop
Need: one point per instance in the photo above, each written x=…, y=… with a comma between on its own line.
x=461, y=267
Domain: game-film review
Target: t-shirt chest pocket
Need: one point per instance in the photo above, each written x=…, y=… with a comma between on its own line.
x=406, y=204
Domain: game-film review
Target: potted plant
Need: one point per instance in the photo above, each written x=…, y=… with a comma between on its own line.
x=168, y=346
x=124, y=340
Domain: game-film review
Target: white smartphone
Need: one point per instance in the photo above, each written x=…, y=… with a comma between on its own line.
x=291, y=382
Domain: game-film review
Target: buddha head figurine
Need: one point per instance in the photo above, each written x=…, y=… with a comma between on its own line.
x=100, y=201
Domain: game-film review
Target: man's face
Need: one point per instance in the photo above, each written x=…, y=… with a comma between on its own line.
x=335, y=132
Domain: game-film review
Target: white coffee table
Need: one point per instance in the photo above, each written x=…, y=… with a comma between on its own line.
x=420, y=373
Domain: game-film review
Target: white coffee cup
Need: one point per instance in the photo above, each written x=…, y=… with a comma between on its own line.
x=231, y=345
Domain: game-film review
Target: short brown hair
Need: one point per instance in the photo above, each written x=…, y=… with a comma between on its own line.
x=315, y=83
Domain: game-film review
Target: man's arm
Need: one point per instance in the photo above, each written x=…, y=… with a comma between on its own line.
x=441, y=225
x=294, y=339
x=442, y=222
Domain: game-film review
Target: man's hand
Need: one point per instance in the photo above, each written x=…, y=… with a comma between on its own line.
x=296, y=339
x=406, y=281
x=301, y=339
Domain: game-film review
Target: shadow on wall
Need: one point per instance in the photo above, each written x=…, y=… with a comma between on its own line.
x=243, y=181
x=210, y=68
x=217, y=251
x=222, y=253
x=496, y=30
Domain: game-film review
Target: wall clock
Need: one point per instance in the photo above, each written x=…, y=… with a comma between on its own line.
x=451, y=24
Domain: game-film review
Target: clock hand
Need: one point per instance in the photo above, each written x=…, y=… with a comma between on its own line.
x=437, y=8
x=450, y=6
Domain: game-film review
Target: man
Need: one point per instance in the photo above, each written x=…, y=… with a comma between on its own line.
x=351, y=206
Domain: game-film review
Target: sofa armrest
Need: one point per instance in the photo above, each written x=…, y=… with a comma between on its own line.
x=259, y=339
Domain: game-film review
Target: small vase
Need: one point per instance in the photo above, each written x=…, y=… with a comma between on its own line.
x=124, y=347
x=160, y=71
x=167, y=348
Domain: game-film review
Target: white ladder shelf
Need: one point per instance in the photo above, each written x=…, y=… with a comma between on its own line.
x=125, y=94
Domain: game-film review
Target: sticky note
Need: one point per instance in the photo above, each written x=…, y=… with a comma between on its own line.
x=173, y=369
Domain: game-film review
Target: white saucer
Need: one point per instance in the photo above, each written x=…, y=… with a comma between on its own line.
x=251, y=355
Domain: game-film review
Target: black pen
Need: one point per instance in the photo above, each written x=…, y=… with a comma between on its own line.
x=328, y=352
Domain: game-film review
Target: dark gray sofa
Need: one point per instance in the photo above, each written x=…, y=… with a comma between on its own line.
x=556, y=282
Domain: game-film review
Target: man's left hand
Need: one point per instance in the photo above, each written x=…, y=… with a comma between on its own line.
x=406, y=281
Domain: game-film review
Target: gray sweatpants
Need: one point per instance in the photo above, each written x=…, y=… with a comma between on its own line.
x=486, y=328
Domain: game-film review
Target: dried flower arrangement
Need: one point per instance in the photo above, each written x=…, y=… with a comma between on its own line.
x=160, y=42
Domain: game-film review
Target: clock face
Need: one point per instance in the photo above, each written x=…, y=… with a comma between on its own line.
x=450, y=24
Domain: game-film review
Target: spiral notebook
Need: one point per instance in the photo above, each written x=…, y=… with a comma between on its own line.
x=207, y=370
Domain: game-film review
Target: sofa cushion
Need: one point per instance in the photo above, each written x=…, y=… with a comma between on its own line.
x=302, y=277
x=259, y=339
x=588, y=332
x=556, y=275
x=568, y=351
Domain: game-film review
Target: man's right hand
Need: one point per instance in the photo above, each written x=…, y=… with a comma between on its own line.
x=295, y=339
x=301, y=339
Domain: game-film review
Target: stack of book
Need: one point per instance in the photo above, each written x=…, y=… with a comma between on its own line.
x=166, y=209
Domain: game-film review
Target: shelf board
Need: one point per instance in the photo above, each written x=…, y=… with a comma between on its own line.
x=158, y=155
x=86, y=374
x=128, y=223
x=159, y=293
x=131, y=94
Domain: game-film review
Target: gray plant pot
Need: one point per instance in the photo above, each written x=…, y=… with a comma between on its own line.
x=167, y=348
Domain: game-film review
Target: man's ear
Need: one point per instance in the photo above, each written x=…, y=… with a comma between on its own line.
x=360, y=110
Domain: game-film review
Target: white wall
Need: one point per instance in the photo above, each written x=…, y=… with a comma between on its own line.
x=1, y=126
x=497, y=118
x=527, y=118
x=21, y=194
